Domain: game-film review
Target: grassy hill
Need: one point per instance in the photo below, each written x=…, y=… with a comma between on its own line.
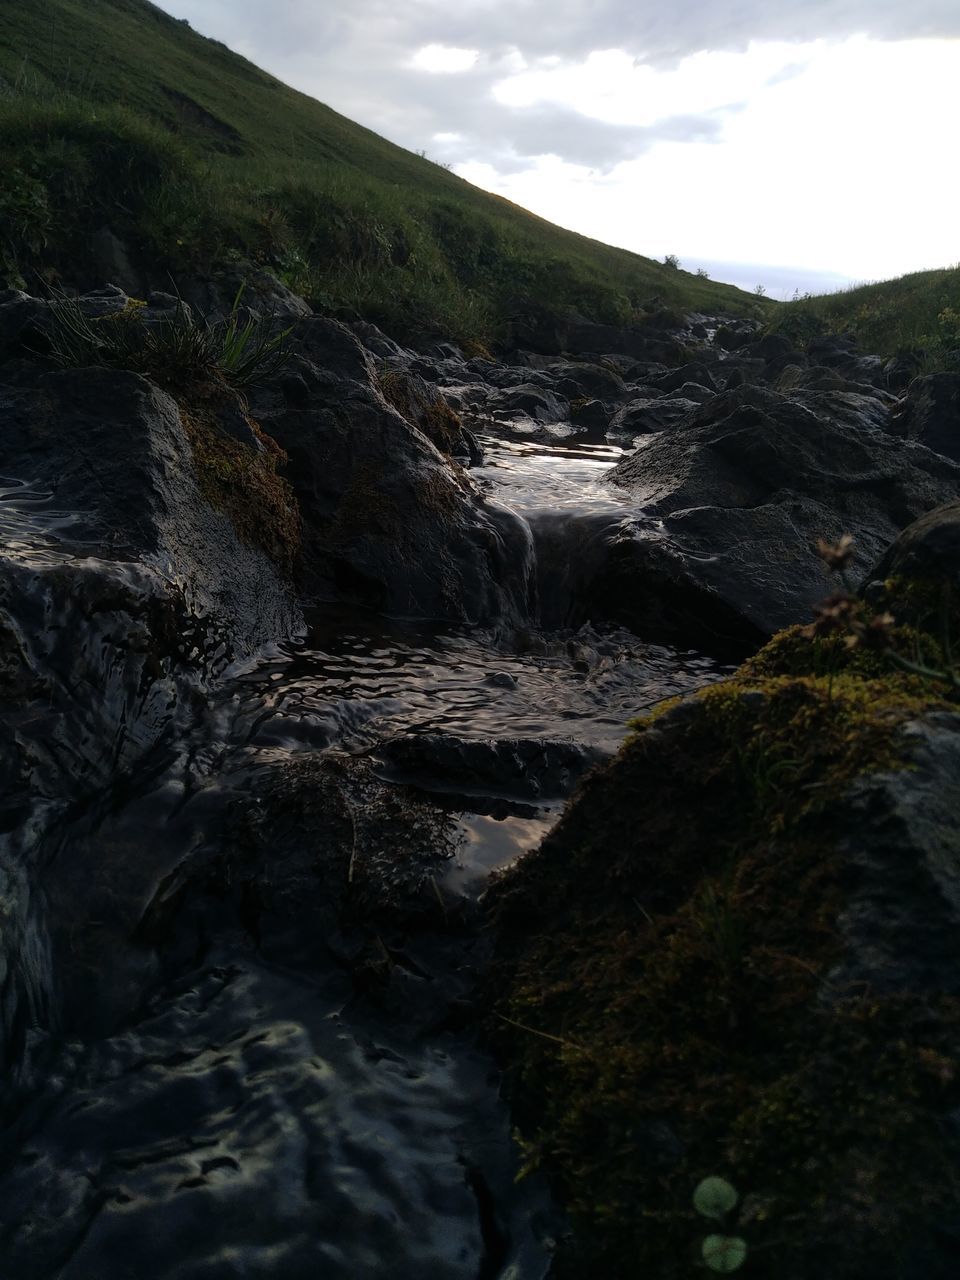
x=917, y=314
x=113, y=113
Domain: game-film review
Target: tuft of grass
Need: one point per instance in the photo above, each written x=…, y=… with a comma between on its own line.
x=176, y=351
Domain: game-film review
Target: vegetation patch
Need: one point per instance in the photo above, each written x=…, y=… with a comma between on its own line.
x=915, y=317
x=663, y=995
x=240, y=480
x=428, y=412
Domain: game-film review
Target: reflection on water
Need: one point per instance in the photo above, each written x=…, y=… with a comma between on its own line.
x=32, y=530
x=355, y=681
x=530, y=475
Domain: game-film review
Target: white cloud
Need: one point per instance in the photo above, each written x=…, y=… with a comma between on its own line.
x=444, y=59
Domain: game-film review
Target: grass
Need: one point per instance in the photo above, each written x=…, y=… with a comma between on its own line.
x=113, y=113
x=917, y=314
x=177, y=350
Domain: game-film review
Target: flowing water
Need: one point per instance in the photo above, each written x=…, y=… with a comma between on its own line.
x=255, y=1118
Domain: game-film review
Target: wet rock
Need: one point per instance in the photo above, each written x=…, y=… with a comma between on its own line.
x=515, y=768
x=388, y=522
x=742, y=489
x=930, y=414
x=248, y=1121
x=123, y=592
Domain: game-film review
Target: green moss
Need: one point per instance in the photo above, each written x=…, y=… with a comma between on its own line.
x=243, y=482
x=429, y=414
x=663, y=963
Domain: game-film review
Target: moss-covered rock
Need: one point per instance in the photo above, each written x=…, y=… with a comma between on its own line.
x=695, y=977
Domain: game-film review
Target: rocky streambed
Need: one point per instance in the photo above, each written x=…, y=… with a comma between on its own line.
x=286, y=678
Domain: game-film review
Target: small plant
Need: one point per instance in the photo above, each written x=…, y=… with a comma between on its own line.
x=760, y=291
x=672, y=261
x=702, y=274
x=716, y=1199
x=844, y=613
x=241, y=350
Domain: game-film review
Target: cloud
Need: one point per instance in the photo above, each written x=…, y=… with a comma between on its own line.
x=411, y=71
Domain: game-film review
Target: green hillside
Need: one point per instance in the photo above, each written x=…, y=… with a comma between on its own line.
x=113, y=113
x=917, y=314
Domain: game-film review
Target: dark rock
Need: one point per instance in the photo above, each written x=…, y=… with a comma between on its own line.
x=110, y=260
x=926, y=552
x=641, y=417
x=589, y=381
x=742, y=489
x=901, y=917
x=591, y=414
x=900, y=370
x=514, y=768
x=19, y=314
x=698, y=374
x=387, y=521
x=930, y=414
x=771, y=347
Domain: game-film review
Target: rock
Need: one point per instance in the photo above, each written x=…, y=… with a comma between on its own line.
x=900, y=370
x=256, y=1120
x=513, y=768
x=673, y=381
x=588, y=381
x=744, y=486
x=528, y=401
x=930, y=414
x=901, y=917
x=641, y=417
x=123, y=595
x=591, y=414
x=925, y=555
x=19, y=314
x=258, y=292
x=694, y=392
x=110, y=260
x=387, y=521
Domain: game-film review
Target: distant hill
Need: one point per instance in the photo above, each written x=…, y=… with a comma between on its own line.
x=917, y=314
x=113, y=113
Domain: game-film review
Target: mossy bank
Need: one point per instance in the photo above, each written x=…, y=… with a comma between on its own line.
x=679, y=1001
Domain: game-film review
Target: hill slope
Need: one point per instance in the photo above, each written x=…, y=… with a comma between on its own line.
x=916, y=315
x=114, y=113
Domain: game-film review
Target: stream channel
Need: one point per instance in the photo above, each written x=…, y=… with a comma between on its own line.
x=243, y=1108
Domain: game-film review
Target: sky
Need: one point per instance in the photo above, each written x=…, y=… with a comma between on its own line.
x=798, y=145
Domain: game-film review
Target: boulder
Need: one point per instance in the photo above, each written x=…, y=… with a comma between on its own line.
x=930, y=414
x=643, y=416
x=388, y=522
x=741, y=490
x=587, y=381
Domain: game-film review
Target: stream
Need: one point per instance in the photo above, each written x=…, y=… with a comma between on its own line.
x=227, y=1106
